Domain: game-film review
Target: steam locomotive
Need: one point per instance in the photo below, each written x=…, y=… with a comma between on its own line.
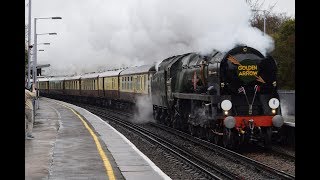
x=225, y=97
x=230, y=97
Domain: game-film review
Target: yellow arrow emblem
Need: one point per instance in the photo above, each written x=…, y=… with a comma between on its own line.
x=233, y=60
x=259, y=78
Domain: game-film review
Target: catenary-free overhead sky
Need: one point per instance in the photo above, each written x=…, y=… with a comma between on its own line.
x=104, y=34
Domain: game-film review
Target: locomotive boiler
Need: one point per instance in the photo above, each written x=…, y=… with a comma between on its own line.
x=226, y=97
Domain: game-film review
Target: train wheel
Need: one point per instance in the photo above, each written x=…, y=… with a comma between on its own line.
x=216, y=139
x=176, y=121
x=267, y=137
x=209, y=134
x=228, y=138
x=176, y=124
x=154, y=114
x=200, y=132
x=157, y=114
x=191, y=130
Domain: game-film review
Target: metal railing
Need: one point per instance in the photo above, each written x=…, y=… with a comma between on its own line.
x=287, y=102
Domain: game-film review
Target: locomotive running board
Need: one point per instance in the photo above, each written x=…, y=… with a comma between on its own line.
x=201, y=97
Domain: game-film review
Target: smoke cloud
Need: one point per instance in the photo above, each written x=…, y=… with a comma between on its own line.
x=144, y=110
x=104, y=34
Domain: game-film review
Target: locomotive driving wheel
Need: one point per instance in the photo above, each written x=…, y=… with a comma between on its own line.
x=216, y=139
x=200, y=132
x=176, y=123
x=267, y=137
x=228, y=138
x=154, y=113
x=209, y=134
x=192, y=130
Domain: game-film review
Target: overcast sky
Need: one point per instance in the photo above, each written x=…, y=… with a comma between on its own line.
x=102, y=34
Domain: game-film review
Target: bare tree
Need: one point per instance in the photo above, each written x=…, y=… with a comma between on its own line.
x=273, y=21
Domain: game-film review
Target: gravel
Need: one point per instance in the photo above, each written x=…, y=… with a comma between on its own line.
x=165, y=161
x=176, y=170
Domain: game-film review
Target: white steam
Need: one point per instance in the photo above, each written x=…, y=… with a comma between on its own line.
x=157, y=65
x=144, y=110
x=284, y=110
x=117, y=33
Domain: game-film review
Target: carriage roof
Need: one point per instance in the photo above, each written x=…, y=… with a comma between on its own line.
x=57, y=78
x=89, y=75
x=42, y=79
x=72, y=77
x=138, y=69
x=110, y=73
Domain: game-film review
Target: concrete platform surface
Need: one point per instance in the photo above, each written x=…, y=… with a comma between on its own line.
x=66, y=148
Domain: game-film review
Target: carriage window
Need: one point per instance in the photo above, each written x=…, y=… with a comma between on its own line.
x=138, y=82
x=122, y=83
x=145, y=82
x=141, y=82
x=130, y=83
x=127, y=83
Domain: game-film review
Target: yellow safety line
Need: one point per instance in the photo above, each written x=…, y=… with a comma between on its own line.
x=106, y=162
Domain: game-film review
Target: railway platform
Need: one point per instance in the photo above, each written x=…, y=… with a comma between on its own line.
x=72, y=143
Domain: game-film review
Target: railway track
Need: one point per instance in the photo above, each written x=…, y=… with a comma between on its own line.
x=275, y=149
x=283, y=152
x=228, y=153
x=209, y=169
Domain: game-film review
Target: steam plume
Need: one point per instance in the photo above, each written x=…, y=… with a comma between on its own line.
x=116, y=33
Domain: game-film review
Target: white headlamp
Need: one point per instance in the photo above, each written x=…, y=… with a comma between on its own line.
x=226, y=105
x=274, y=103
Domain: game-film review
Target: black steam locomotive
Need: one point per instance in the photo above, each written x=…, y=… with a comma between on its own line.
x=224, y=97
x=230, y=97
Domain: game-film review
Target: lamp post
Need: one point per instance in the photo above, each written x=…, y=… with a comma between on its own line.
x=32, y=54
x=35, y=44
x=29, y=41
x=36, y=104
x=35, y=51
x=35, y=55
x=43, y=44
